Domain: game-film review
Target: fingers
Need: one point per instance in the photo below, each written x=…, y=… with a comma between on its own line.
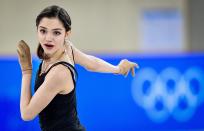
x=23, y=49
x=24, y=56
x=126, y=74
x=22, y=42
x=19, y=53
x=132, y=67
x=136, y=65
x=133, y=71
x=24, y=45
x=20, y=50
x=125, y=66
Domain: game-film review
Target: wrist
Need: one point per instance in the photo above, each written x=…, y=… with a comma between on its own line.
x=27, y=71
x=116, y=70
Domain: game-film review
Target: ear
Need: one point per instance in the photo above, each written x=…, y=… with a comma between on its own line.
x=67, y=34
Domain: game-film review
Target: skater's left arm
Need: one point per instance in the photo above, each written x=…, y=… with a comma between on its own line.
x=96, y=64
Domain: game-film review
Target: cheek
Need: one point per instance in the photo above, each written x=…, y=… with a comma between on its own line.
x=40, y=37
x=60, y=41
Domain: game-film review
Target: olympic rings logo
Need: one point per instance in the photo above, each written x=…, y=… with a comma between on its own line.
x=169, y=93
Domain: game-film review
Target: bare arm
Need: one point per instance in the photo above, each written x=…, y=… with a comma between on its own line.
x=95, y=64
x=25, y=92
x=55, y=81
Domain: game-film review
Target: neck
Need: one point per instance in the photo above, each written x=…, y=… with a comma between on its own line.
x=55, y=56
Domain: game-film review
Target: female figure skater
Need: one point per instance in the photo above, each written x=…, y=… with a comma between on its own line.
x=55, y=92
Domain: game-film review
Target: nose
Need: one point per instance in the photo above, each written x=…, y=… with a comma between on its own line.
x=49, y=37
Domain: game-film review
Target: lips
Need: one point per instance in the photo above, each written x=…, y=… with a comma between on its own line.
x=48, y=46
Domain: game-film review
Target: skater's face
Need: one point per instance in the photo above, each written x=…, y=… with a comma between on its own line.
x=51, y=35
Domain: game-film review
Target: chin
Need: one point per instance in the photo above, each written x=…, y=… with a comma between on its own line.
x=48, y=52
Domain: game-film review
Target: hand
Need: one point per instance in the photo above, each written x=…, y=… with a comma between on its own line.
x=125, y=66
x=24, y=57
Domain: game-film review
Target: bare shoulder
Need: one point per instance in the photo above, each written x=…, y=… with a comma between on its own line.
x=58, y=76
x=59, y=71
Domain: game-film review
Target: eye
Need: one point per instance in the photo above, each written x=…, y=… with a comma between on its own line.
x=42, y=31
x=57, y=33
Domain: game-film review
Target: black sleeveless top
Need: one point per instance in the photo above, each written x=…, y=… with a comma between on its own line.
x=61, y=113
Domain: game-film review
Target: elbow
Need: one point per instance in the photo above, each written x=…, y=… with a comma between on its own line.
x=26, y=116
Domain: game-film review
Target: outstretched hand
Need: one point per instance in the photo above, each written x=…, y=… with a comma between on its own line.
x=24, y=57
x=125, y=66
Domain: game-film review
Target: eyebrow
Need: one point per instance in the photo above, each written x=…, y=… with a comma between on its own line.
x=52, y=29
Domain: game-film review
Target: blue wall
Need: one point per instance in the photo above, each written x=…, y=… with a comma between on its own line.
x=166, y=94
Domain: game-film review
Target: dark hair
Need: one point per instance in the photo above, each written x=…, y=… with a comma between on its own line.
x=53, y=11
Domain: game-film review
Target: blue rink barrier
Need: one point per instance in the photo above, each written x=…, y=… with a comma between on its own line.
x=167, y=94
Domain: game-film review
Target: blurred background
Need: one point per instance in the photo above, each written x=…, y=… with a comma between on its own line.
x=165, y=37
